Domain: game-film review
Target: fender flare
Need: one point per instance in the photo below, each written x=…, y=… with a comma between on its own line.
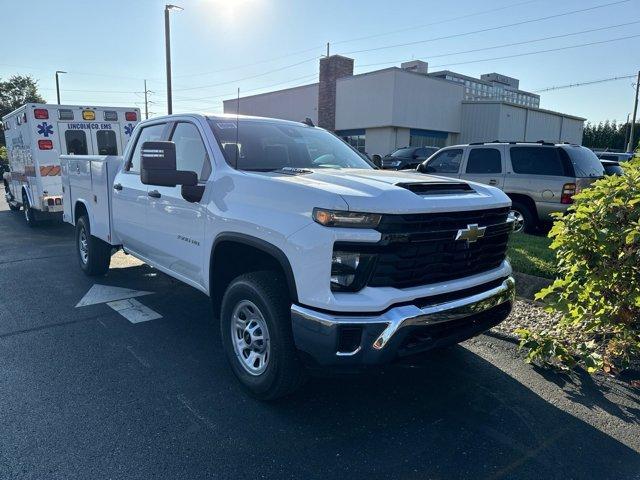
x=264, y=246
x=79, y=201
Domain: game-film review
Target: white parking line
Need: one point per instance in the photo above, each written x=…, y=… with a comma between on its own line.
x=106, y=293
x=134, y=311
x=121, y=300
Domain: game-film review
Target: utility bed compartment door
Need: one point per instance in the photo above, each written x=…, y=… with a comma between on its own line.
x=88, y=180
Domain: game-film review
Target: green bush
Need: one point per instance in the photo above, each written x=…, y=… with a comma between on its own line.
x=597, y=292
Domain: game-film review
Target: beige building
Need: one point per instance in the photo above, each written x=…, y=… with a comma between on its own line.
x=382, y=110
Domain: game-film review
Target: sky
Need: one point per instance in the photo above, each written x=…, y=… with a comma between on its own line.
x=109, y=47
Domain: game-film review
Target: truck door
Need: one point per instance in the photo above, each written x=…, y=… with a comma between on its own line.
x=176, y=227
x=130, y=198
x=485, y=164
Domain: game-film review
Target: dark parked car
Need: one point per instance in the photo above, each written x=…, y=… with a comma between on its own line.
x=407, y=157
x=612, y=168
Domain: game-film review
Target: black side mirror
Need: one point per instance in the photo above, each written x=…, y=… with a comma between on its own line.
x=158, y=166
x=377, y=160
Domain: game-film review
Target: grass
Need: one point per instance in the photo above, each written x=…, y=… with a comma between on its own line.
x=531, y=254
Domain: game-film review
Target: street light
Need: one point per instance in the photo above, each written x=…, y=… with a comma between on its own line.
x=58, y=85
x=167, y=42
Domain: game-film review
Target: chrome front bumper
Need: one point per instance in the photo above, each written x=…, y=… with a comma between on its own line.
x=383, y=336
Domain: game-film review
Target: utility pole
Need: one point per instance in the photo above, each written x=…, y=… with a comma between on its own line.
x=631, y=145
x=626, y=130
x=146, y=101
x=58, y=85
x=167, y=46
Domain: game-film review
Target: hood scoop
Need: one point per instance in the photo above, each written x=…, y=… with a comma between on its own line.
x=448, y=188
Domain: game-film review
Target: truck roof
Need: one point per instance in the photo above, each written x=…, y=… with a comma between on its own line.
x=229, y=117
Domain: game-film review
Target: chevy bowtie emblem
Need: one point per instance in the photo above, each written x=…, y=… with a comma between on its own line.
x=471, y=234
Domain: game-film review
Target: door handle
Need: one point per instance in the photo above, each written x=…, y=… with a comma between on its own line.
x=154, y=194
x=117, y=186
x=493, y=181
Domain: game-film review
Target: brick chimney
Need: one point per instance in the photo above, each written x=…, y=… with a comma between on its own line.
x=331, y=69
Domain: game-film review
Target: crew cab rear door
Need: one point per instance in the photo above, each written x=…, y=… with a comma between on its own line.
x=130, y=200
x=176, y=226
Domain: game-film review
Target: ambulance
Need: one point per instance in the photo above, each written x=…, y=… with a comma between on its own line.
x=37, y=134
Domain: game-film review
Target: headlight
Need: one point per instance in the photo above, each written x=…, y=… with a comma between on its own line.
x=393, y=163
x=349, y=270
x=336, y=218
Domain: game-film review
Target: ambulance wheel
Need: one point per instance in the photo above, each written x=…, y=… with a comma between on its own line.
x=29, y=213
x=94, y=254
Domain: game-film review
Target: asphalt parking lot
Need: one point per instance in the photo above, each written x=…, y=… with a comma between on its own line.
x=85, y=393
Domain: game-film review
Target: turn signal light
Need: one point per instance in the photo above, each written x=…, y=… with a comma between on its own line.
x=88, y=115
x=45, y=144
x=41, y=113
x=568, y=191
x=131, y=116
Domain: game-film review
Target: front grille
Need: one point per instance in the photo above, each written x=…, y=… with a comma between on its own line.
x=420, y=249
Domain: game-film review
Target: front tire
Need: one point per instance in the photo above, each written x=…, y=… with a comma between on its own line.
x=255, y=324
x=94, y=254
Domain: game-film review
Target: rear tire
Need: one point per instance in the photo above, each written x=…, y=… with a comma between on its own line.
x=525, y=219
x=29, y=213
x=94, y=254
x=255, y=324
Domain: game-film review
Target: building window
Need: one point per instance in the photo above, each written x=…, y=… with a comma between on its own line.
x=355, y=138
x=427, y=138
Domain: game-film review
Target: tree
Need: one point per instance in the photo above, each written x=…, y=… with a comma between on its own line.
x=607, y=135
x=15, y=92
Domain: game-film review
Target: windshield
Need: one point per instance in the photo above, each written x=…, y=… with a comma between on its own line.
x=403, y=152
x=264, y=146
x=585, y=162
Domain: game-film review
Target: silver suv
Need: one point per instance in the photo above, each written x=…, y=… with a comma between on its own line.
x=540, y=178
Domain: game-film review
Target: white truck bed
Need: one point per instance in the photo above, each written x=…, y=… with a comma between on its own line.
x=88, y=179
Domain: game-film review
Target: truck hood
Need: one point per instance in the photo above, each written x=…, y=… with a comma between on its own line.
x=388, y=191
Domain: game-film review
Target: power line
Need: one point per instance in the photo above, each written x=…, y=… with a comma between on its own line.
x=537, y=52
x=248, y=78
x=535, y=40
x=452, y=19
x=355, y=39
x=187, y=99
x=489, y=29
x=581, y=84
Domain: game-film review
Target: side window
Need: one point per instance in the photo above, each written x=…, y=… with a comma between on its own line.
x=191, y=154
x=537, y=161
x=421, y=153
x=107, y=144
x=447, y=161
x=484, y=160
x=147, y=134
x=76, y=141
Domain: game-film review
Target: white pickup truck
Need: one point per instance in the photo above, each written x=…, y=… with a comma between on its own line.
x=312, y=257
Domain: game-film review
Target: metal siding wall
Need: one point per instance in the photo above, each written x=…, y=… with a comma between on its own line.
x=572, y=131
x=512, y=124
x=480, y=122
x=543, y=126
